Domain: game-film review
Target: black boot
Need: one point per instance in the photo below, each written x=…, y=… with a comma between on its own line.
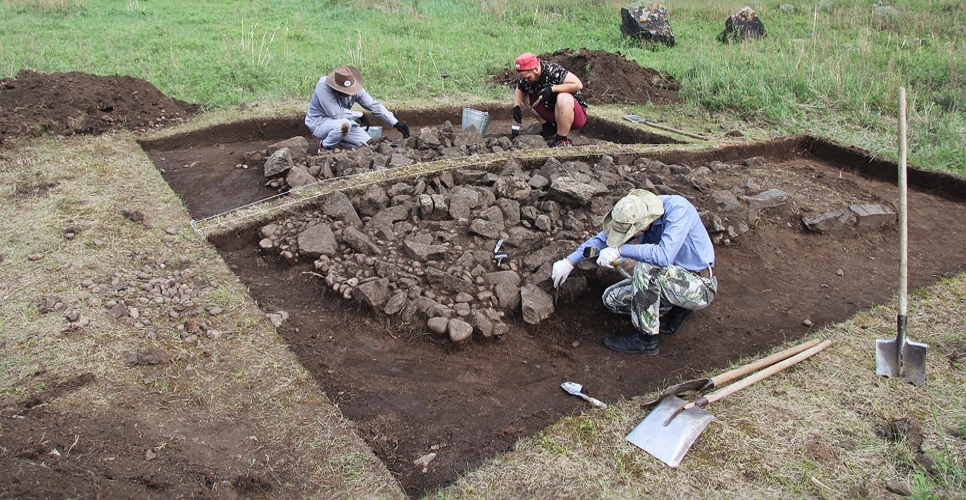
x=674, y=318
x=634, y=343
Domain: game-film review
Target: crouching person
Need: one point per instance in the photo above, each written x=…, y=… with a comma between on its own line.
x=673, y=273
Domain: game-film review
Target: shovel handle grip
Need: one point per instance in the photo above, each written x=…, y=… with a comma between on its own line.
x=594, y=401
x=767, y=372
x=743, y=370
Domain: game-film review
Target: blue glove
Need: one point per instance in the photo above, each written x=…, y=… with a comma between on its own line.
x=608, y=257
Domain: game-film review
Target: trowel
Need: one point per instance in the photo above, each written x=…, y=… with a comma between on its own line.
x=575, y=388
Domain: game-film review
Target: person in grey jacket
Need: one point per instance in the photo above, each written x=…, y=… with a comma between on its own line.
x=330, y=117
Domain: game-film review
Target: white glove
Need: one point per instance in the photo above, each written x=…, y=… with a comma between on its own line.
x=561, y=269
x=608, y=256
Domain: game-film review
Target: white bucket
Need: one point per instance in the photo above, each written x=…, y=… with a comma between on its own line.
x=479, y=119
x=375, y=133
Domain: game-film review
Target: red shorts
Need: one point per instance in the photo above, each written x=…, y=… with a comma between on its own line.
x=580, y=116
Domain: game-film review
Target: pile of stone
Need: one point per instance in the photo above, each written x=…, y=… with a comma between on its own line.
x=425, y=251
x=292, y=163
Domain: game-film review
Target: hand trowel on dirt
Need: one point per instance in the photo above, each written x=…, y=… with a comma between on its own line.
x=671, y=428
x=575, y=389
x=900, y=357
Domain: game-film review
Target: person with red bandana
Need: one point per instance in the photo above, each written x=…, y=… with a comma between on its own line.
x=552, y=94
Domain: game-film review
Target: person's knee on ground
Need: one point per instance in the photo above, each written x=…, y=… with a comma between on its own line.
x=675, y=317
x=337, y=134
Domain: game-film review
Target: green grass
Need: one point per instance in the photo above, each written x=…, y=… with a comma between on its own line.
x=826, y=68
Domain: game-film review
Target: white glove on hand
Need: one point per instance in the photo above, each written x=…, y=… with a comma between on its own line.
x=608, y=256
x=561, y=269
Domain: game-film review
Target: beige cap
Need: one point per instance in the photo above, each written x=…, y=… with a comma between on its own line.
x=631, y=214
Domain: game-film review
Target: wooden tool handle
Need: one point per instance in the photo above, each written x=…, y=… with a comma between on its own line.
x=594, y=401
x=741, y=371
x=767, y=372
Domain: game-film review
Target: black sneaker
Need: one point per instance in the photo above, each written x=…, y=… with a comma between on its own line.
x=561, y=141
x=548, y=130
x=672, y=321
x=633, y=344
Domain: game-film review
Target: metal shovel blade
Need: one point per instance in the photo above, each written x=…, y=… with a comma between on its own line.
x=669, y=443
x=910, y=364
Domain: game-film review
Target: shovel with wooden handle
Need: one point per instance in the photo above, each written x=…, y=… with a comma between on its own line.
x=672, y=427
x=901, y=357
x=706, y=384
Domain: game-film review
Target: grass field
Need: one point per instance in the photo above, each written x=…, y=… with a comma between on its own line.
x=830, y=67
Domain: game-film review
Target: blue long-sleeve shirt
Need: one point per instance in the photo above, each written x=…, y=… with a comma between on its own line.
x=677, y=238
x=327, y=104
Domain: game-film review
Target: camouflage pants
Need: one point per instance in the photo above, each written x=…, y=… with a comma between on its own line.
x=654, y=290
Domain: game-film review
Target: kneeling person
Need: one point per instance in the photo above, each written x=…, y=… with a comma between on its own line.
x=330, y=118
x=674, y=255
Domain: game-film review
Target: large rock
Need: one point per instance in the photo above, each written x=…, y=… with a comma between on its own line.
x=422, y=252
x=372, y=293
x=449, y=282
x=830, y=222
x=317, y=240
x=766, y=199
x=647, y=23
x=743, y=25
x=569, y=191
x=298, y=148
x=459, y=330
x=338, y=206
x=537, y=305
x=278, y=163
x=299, y=176
x=869, y=217
x=358, y=241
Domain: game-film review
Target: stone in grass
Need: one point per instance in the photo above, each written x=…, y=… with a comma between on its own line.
x=647, y=23
x=743, y=25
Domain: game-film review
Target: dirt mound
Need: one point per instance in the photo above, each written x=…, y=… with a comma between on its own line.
x=609, y=78
x=78, y=103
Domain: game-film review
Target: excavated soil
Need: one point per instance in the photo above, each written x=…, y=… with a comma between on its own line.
x=411, y=393
x=608, y=78
x=78, y=103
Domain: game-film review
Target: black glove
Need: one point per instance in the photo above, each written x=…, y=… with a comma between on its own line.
x=547, y=95
x=402, y=128
x=365, y=121
x=517, y=114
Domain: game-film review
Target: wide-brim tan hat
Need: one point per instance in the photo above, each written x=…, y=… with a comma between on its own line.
x=631, y=214
x=345, y=79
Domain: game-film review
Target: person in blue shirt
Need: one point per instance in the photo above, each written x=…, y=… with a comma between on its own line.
x=330, y=117
x=673, y=271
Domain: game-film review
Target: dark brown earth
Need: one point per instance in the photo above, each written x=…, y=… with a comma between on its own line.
x=78, y=103
x=410, y=393
x=608, y=78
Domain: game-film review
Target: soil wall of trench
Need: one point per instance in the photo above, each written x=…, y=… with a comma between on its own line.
x=412, y=393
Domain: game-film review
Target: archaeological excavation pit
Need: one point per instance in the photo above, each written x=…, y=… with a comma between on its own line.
x=804, y=229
